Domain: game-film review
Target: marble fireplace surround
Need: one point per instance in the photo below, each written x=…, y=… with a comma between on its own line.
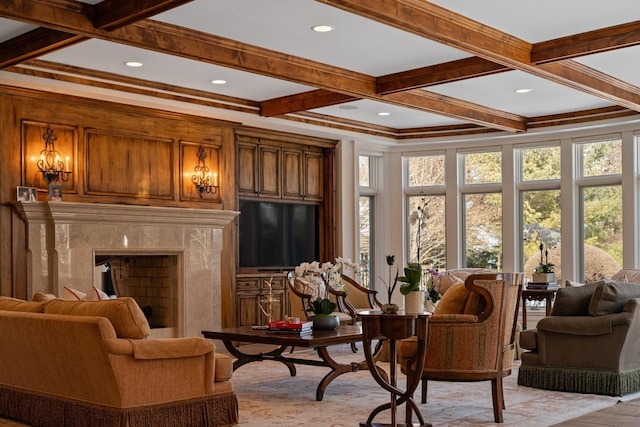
x=64, y=237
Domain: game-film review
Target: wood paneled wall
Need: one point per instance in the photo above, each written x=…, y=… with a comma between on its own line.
x=126, y=154
x=118, y=154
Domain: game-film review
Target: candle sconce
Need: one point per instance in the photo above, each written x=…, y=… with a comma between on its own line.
x=49, y=164
x=203, y=179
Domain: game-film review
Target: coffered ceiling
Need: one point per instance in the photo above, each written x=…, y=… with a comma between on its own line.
x=435, y=68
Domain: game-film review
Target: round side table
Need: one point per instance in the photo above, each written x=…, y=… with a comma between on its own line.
x=394, y=327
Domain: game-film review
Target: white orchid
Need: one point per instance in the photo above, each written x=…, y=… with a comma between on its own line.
x=331, y=272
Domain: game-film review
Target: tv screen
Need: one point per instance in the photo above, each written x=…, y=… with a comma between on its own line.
x=277, y=234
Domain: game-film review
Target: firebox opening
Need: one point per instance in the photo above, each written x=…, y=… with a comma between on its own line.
x=152, y=280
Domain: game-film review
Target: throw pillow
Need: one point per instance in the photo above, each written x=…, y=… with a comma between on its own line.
x=70, y=294
x=454, y=300
x=124, y=313
x=573, y=301
x=611, y=297
x=444, y=281
x=96, y=295
x=41, y=297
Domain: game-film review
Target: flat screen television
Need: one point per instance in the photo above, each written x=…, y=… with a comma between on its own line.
x=274, y=235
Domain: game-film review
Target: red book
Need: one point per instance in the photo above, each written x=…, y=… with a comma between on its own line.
x=285, y=325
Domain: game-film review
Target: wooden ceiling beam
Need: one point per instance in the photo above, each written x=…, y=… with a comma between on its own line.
x=199, y=46
x=587, y=43
x=112, y=14
x=444, y=26
x=457, y=108
x=303, y=102
x=586, y=79
x=391, y=83
x=446, y=72
x=34, y=43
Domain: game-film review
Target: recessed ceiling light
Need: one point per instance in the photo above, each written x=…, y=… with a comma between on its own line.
x=218, y=82
x=133, y=64
x=383, y=113
x=348, y=107
x=524, y=90
x=322, y=28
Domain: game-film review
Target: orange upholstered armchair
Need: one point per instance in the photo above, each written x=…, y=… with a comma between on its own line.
x=471, y=334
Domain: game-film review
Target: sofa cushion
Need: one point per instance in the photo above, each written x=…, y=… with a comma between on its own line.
x=573, y=301
x=15, y=304
x=124, y=313
x=610, y=297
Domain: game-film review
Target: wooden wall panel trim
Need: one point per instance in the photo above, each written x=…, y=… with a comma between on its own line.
x=128, y=165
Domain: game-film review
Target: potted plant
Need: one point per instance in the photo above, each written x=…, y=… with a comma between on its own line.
x=410, y=288
x=323, y=317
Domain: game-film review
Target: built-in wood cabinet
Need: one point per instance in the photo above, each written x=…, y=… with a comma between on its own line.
x=277, y=170
x=286, y=169
x=250, y=289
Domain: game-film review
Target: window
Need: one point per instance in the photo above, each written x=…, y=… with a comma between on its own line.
x=539, y=196
x=366, y=210
x=600, y=206
x=482, y=208
x=425, y=199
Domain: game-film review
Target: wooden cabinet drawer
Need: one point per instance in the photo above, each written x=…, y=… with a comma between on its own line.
x=247, y=285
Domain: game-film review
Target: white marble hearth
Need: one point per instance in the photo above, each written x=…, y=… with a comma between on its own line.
x=64, y=238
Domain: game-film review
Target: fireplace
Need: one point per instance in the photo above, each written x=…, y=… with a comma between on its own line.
x=66, y=240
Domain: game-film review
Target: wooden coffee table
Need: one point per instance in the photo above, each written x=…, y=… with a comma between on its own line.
x=318, y=339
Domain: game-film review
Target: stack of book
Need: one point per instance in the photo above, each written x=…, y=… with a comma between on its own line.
x=286, y=326
x=542, y=285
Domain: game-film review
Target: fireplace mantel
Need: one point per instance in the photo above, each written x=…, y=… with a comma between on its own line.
x=64, y=237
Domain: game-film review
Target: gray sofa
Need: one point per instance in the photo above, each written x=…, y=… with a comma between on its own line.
x=590, y=343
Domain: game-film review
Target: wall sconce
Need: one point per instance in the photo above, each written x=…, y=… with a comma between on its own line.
x=52, y=168
x=204, y=181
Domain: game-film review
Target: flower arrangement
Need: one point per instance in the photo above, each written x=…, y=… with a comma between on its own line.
x=432, y=293
x=419, y=217
x=548, y=239
x=328, y=274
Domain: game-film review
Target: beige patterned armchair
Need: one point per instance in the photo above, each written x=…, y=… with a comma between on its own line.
x=471, y=334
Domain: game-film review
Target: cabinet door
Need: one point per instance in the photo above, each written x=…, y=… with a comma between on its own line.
x=247, y=311
x=269, y=171
x=247, y=169
x=292, y=174
x=312, y=176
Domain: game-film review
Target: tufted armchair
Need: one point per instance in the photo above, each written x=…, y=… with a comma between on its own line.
x=471, y=334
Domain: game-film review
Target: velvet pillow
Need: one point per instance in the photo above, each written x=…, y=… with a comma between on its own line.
x=15, y=304
x=573, y=301
x=124, y=313
x=611, y=297
x=454, y=300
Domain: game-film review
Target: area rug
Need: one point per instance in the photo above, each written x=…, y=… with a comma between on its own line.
x=269, y=396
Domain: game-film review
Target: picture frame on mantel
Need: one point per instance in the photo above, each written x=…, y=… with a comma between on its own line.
x=55, y=192
x=27, y=194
